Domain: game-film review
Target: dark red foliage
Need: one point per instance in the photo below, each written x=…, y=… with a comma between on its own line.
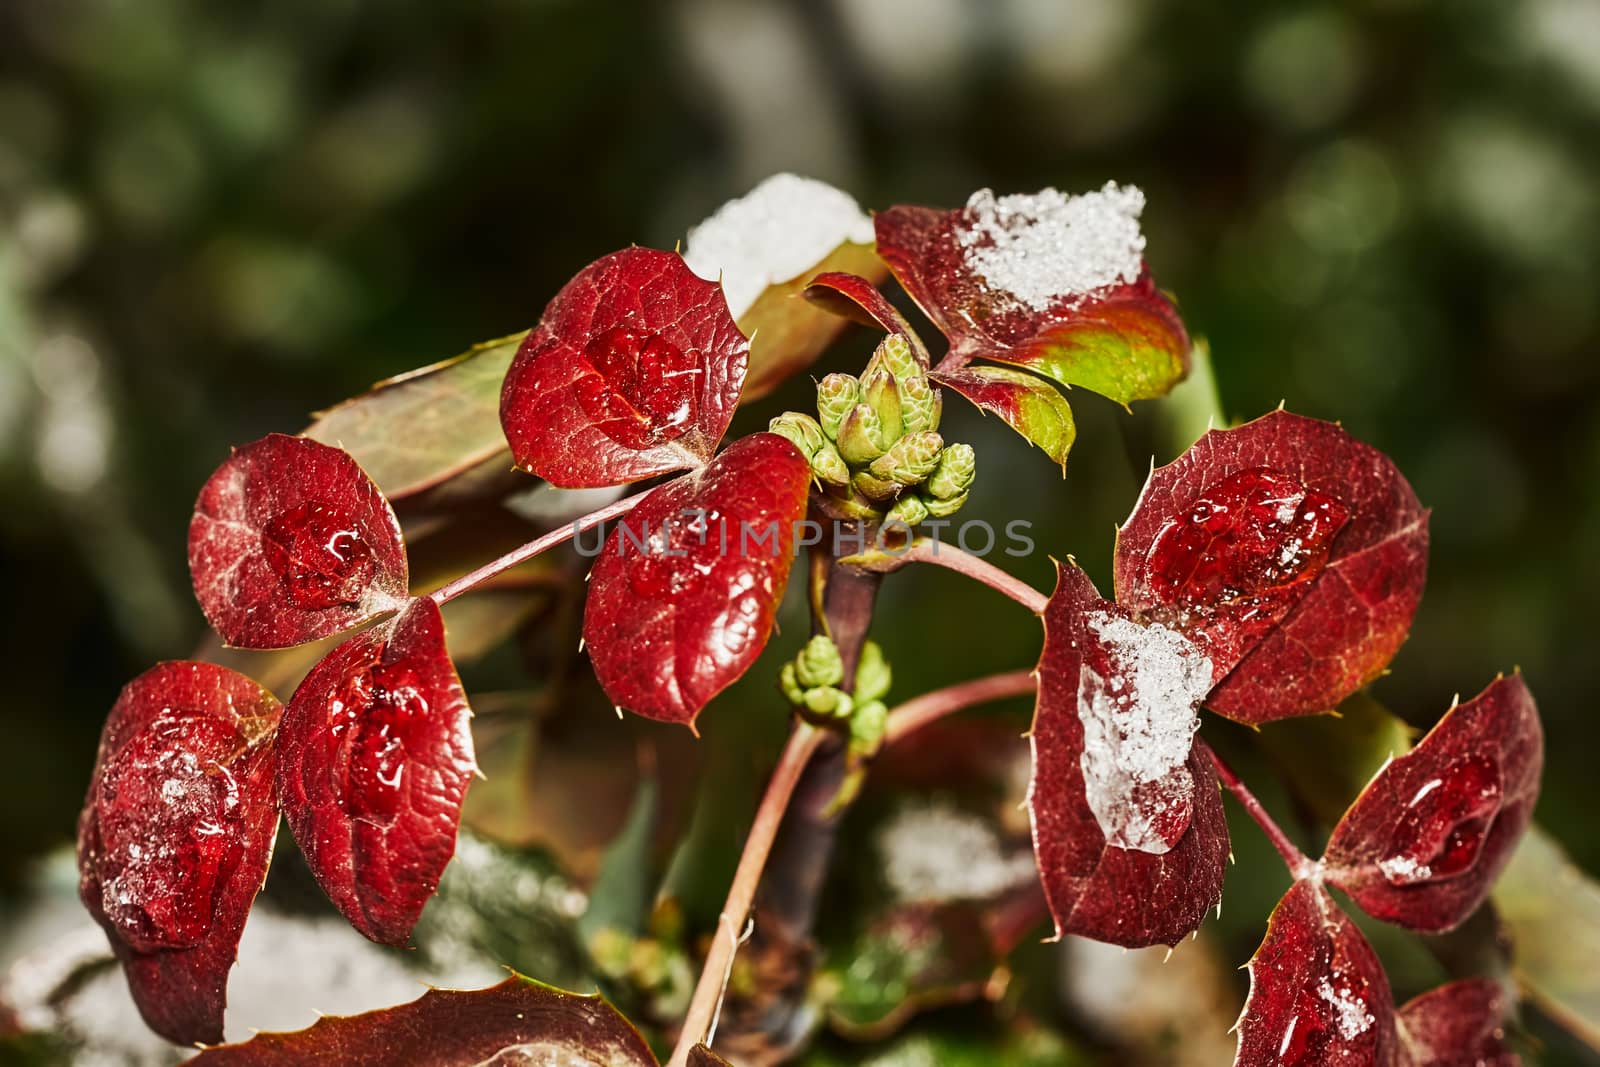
x=682, y=598
x=1124, y=341
x=376, y=756
x=634, y=370
x=516, y=1022
x=856, y=298
x=1158, y=885
x=176, y=835
x=1292, y=553
x=1455, y=1025
x=290, y=542
x=1318, y=995
x=1426, y=839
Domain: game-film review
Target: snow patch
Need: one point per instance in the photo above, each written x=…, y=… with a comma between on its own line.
x=940, y=853
x=1350, y=1014
x=1048, y=246
x=1138, y=730
x=1404, y=870
x=778, y=231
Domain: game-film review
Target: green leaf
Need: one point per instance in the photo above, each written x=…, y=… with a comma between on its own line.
x=1023, y=1044
x=913, y=957
x=418, y=430
x=1028, y=404
x=1552, y=909
x=512, y=906
x=1329, y=759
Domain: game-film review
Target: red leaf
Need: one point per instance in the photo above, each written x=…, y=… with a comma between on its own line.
x=376, y=756
x=1292, y=553
x=1318, y=994
x=1128, y=825
x=1068, y=313
x=518, y=1021
x=1426, y=839
x=634, y=371
x=682, y=598
x=856, y=298
x=1456, y=1024
x=176, y=834
x=291, y=542
x=1028, y=404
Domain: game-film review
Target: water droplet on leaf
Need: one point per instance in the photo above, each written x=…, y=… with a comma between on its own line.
x=373, y=716
x=167, y=803
x=319, y=554
x=1252, y=532
x=1442, y=829
x=643, y=390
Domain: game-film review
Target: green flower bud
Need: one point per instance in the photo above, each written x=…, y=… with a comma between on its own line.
x=802, y=430
x=879, y=392
x=818, y=663
x=836, y=395
x=920, y=404
x=790, y=684
x=874, y=488
x=827, y=700
x=895, y=356
x=909, y=509
x=911, y=459
x=872, y=676
x=861, y=436
x=940, y=509
x=829, y=467
x=953, y=475
x=868, y=724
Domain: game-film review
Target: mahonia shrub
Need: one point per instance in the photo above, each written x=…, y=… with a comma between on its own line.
x=1270, y=572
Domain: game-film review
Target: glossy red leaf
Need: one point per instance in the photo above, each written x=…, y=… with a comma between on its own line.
x=1318, y=995
x=856, y=298
x=682, y=598
x=1426, y=839
x=291, y=542
x=375, y=758
x=1028, y=404
x=1455, y=1025
x=176, y=835
x=1107, y=330
x=1128, y=826
x=519, y=1021
x=634, y=370
x=1292, y=553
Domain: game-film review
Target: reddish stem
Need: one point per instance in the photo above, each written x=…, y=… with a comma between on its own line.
x=1299, y=865
x=697, y=1024
x=949, y=556
x=918, y=712
x=562, y=533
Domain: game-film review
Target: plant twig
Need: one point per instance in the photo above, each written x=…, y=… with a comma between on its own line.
x=562, y=533
x=1297, y=862
x=942, y=554
x=918, y=712
x=803, y=741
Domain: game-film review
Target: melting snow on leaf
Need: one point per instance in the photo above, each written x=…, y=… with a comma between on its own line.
x=780, y=229
x=1139, y=721
x=1047, y=246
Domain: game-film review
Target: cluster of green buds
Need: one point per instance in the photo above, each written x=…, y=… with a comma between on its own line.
x=875, y=446
x=812, y=683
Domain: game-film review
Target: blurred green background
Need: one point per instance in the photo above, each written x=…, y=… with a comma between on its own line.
x=218, y=217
